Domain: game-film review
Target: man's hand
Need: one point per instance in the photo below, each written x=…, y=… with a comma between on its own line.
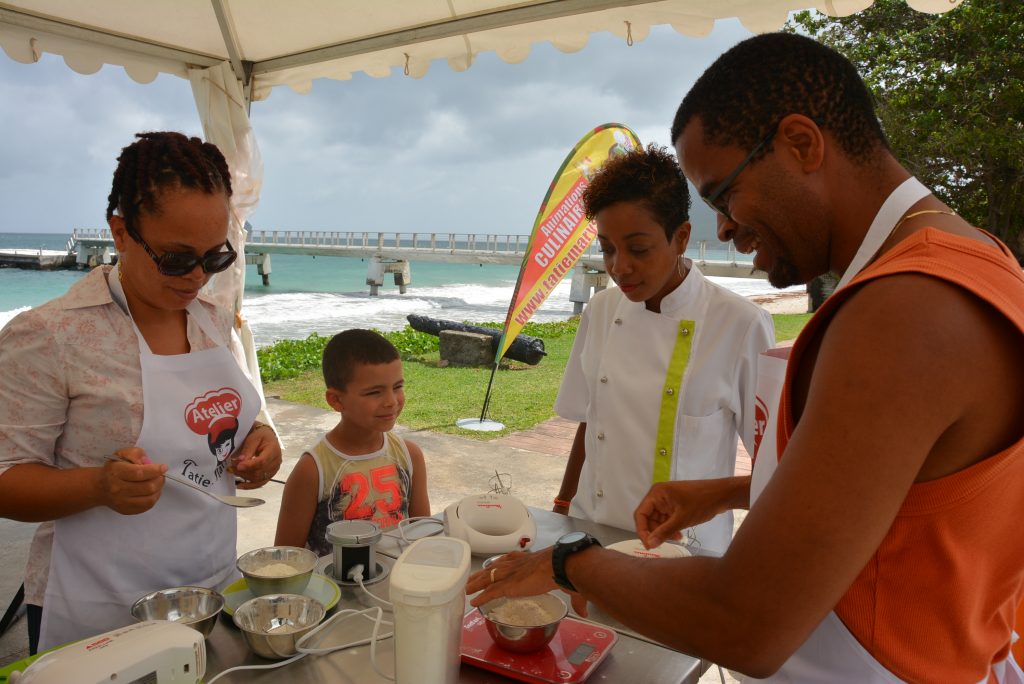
x=518, y=574
x=670, y=507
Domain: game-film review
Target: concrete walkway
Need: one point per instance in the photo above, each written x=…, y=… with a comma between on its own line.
x=555, y=435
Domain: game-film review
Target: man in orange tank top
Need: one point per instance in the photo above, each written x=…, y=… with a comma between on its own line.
x=885, y=545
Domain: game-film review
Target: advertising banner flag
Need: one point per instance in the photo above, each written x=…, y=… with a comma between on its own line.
x=561, y=233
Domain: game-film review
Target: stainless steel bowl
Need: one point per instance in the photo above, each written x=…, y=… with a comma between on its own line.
x=524, y=639
x=273, y=624
x=302, y=562
x=196, y=607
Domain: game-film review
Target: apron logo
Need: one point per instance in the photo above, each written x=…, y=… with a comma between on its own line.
x=760, y=425
x=215, y=416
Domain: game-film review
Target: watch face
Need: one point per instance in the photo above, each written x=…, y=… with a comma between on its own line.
x=572, y=537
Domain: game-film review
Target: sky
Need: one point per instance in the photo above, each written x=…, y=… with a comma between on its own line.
x=463, y=152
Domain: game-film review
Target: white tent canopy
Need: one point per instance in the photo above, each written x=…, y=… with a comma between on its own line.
x=270, y=43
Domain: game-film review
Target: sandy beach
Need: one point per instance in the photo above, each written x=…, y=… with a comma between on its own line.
x=782, y=302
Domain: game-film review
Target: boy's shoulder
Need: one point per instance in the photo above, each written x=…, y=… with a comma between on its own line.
x=395, y=440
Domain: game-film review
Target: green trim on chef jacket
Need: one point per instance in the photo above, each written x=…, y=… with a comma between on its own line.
x=670, y=402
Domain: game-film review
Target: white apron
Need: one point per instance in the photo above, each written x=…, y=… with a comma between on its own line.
x=197, y=408
x=831, y=653
x=643, y=348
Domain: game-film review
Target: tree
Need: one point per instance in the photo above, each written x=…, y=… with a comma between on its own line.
x=949, y=89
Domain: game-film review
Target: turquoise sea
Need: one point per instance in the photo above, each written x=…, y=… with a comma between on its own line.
x=326, y=294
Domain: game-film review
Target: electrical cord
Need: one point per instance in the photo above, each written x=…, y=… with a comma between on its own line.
x=304, y=649
x=356, y=575
x=412, y=523
x=291, y=660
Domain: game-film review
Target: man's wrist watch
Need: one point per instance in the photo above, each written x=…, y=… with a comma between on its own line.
x=567, y=545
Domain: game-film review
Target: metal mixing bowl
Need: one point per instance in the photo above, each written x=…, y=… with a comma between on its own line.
x=272, y=624
x=524, y=639
x=302, y=561
x=196, y=607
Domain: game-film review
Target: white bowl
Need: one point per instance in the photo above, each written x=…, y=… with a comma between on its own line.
x=635, y=547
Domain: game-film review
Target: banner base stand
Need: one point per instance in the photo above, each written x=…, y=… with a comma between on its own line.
x=477, y=425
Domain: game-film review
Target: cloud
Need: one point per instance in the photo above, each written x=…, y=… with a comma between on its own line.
x=464, y=152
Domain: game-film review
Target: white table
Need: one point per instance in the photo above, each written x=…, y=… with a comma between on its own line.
x=632, y=659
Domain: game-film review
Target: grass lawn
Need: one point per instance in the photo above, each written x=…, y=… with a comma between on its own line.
x=522, y=395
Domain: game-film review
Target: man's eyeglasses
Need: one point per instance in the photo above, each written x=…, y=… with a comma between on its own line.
x=182, y=263
x=711, y=199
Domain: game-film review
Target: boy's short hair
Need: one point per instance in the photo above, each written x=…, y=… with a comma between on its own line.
x=350, y=348
x=649, y=176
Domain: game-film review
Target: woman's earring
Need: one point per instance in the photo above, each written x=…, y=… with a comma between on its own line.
x=120, y=273
x=679, y=266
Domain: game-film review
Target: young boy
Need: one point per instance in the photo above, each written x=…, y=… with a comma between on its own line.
x=360, y=470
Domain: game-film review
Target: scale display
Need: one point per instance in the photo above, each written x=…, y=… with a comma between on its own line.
x=576, y=650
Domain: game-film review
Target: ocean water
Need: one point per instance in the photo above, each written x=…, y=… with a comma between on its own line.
x=326, y=294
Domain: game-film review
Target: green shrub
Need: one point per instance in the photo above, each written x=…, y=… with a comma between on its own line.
x=290, y=358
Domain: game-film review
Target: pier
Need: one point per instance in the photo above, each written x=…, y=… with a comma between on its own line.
x=39, y=259
x=36, y=259
x=393, y=253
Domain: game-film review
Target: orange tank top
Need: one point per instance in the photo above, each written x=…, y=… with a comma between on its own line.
x=936, y=602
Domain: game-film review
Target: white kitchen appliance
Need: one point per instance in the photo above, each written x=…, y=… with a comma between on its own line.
x=153, y=651
x=491, y=523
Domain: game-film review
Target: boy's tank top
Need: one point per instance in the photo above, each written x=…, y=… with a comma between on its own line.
x=936, y=601
x=372, y=487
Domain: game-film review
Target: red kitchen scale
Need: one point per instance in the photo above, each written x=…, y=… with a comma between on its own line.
x=572, y=655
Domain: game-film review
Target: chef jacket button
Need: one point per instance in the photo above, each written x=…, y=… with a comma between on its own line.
x=684, y=332
x=604, y=378
x=600, y=492
x=670, y=391
x=618, y=321
x=600, y=435
x=662, y=452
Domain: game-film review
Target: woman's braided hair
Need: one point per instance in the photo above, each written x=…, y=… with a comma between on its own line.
x=161, y=160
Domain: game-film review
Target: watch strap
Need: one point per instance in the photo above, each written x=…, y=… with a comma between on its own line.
x=561, y=552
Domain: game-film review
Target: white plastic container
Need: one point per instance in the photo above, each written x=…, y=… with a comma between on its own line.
x=428, y=590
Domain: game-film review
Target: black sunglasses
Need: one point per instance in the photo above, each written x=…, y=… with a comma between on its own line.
x=182, y=263
x=712, y=197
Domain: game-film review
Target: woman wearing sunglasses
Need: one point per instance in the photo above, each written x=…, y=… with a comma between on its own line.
x=134, y=362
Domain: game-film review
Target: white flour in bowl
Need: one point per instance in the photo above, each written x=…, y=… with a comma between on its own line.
x=522, y=613
x=275, y=570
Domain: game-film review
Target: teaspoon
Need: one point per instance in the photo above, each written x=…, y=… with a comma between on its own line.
x=236, y=501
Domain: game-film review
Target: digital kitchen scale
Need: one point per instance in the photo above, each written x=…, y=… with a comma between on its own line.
x=576, y=650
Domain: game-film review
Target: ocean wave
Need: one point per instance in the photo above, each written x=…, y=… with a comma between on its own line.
x=6, y=316
x=296, y=315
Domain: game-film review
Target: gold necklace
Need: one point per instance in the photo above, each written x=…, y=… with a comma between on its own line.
x=920, y=213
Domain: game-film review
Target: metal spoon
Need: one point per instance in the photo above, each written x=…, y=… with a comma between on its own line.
x=240, y=480
x=236, y=501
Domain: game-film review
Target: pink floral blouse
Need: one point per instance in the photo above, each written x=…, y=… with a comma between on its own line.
x=71, y=390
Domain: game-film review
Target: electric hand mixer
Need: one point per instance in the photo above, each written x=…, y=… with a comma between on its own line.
x=154, y=651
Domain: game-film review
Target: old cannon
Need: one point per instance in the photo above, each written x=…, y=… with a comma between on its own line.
x=524, y=348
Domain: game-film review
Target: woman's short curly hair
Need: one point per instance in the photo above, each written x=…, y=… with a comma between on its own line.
x=649, y=176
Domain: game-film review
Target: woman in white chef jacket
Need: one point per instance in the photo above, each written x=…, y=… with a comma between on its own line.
x=133, y=362
x=663, y=369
